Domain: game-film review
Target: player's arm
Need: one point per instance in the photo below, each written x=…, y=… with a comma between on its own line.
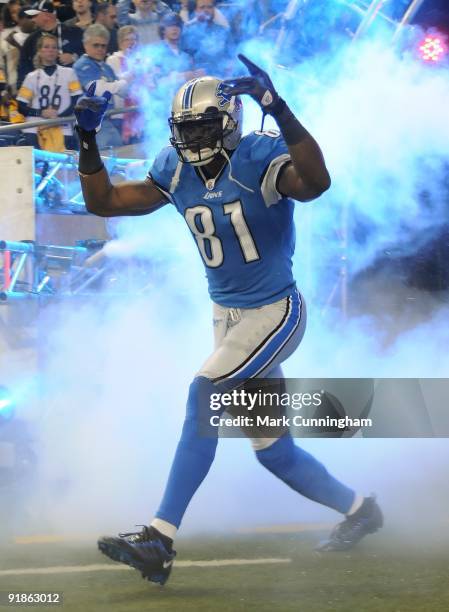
x=306, y=177
x=100, y=196
x=131, y=198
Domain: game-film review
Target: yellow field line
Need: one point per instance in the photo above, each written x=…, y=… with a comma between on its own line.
x=103, y=567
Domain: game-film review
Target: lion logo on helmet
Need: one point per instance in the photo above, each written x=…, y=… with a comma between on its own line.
x=223, y=98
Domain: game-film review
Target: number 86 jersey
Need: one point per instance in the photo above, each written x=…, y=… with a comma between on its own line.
x=41, y=90
x=243, y=226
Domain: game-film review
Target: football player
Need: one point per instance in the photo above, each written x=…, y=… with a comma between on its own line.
x=235, y=193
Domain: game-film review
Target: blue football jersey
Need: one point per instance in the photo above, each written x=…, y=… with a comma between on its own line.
x=242, y=225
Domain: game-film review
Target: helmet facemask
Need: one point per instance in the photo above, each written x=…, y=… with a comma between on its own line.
x=198, y=140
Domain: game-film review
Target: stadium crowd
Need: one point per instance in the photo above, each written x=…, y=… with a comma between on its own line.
x=51, y=51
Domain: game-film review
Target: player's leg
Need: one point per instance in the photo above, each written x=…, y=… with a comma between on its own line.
x=300, y=470
x=296, y=467
x=196, y=448
x=150, y=550
x=193, y=458
x=305, y=474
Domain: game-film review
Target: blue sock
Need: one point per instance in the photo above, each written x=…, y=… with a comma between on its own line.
x=305, y=474
x=194, y=454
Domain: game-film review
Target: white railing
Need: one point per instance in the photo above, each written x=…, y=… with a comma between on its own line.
x=14, y=127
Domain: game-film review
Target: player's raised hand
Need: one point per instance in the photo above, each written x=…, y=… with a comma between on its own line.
x=259, y=85
x=90, y=109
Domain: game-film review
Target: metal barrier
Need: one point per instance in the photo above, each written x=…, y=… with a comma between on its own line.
x=56, y=183
x=32, y=268
x=29, y=270
x=45, y=272
x=14, y=127
x=368, y=12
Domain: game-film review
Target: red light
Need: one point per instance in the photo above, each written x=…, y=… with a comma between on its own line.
x=432, y=49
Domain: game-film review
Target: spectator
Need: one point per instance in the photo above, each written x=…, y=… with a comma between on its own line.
x=70, y=45
x=83, y=14
x=12, y=45
x=49, y=92
x=187, y=13
x=10, y=12
x=64, y=10
x=208, y=43
x=187, y=10
x=146, y=18
x=106, y=15
x=172, y=65
x=8, y=23
x=128, y=38
x=121, y=62
x=92, y=67
x=9, y=108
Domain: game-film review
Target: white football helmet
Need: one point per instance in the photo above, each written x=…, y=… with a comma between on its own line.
x=204, y=120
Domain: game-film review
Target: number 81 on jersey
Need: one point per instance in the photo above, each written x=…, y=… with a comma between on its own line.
x=214, y=258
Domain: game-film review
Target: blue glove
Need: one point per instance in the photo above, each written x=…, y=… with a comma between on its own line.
x=258, y=86
x=90, y=109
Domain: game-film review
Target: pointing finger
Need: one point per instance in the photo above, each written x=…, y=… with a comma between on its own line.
x=253, y=69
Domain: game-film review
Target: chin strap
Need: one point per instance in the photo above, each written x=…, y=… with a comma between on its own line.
x=231, y=178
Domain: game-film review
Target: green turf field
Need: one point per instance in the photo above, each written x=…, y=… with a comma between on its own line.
x=383, y=574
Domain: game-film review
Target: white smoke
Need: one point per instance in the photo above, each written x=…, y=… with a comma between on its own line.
x=118, y=368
